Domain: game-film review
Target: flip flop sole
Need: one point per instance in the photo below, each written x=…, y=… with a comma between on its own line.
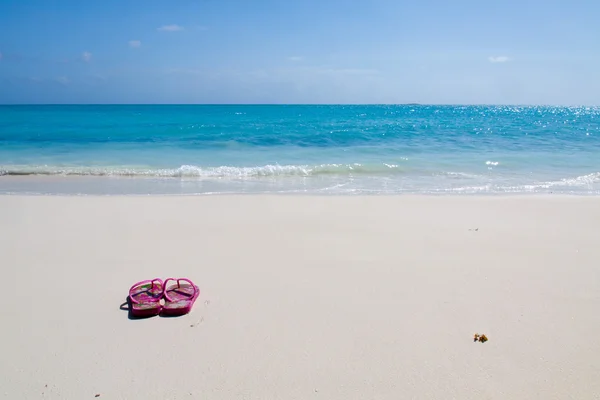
x=179, y=299
x=144, y=298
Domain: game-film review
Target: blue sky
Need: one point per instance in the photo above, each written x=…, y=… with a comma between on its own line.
x=307, y=51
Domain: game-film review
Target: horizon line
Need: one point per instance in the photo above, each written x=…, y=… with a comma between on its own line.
x=310, y=104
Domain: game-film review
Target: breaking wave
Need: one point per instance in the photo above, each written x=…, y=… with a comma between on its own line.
x=207, y=172
x=322, y=178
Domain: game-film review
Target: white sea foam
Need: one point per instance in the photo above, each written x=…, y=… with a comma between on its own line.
x=578, y=181
x=323, y=178
x=207, y=172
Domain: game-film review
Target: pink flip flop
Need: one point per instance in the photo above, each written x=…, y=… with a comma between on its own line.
x=179, y=298
x=145, y=298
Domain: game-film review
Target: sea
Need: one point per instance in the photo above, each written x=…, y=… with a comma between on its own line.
x=299, y=149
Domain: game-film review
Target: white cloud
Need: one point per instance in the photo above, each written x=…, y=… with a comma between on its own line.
x=170, y=28
x=86, y=56
x=498, y=59
x=135, y=43
x=295, y=58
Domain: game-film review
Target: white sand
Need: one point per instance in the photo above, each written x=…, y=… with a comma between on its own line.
x=303, y=297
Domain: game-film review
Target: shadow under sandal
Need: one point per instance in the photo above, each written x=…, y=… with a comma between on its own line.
x=180, y=297
x=144, y=298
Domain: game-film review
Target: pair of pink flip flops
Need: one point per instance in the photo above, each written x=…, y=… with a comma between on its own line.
x=179, y=298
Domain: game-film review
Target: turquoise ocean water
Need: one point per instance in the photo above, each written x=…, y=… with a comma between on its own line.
x=195, y=149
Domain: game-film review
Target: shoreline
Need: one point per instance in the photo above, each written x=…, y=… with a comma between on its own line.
x=471, y=196
x=107, y=186
x=339, y=297
x=432, y=184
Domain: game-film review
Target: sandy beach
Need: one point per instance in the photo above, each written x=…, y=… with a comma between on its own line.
x=303, y=297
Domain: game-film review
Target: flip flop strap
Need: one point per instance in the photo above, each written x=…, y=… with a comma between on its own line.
x=133, y=300
x=166, y=294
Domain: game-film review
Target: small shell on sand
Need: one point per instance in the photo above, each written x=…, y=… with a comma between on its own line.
x=480, y=338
